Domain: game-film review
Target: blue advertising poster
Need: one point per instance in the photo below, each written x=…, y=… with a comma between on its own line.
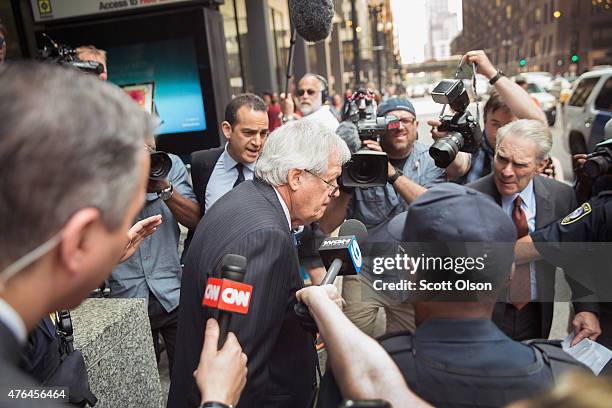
x=171, y=66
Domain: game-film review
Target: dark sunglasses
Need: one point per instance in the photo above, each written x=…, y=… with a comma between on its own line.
x=311, y=92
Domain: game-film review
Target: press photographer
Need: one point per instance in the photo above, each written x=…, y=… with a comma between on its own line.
x=410, y=170
x=87, y=58
x=507, y=103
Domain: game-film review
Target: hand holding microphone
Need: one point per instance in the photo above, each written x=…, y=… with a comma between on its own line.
x=340, y=255
x=221, y=374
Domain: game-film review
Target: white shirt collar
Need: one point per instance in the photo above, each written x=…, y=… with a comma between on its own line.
x=527, y=195
x=13, y=321
x=285, y=209
x=230, y=163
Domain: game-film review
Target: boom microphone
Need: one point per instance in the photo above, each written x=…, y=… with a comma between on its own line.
x=228, y=294
x=341, y=256
x=348, y=132
x=312, y=19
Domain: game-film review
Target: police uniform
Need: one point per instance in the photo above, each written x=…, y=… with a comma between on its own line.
x=591, y=224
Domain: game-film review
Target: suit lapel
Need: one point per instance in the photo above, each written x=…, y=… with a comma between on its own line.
x=544, y=205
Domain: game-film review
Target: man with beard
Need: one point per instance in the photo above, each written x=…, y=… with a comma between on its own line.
x=410, y=171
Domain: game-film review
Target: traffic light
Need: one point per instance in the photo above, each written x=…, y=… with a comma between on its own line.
x=522, y=62
x=575, y=58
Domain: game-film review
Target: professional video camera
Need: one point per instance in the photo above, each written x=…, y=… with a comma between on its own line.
x=65, y=55
x=367, y=168
x=464, y=130
x=599, y=162
x=160, y=165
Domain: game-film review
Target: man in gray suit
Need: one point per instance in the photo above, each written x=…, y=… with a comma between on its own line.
x=531, y=201
x=294, y=182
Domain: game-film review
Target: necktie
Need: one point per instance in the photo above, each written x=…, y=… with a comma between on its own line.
x=520, y=283
x=240, y=178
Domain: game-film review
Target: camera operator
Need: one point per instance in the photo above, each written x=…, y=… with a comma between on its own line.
x=91, y=53
x=507, y=103
x=154, y=271
x=410, y=170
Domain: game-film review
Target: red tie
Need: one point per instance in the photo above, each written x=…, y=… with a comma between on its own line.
x=520, y=283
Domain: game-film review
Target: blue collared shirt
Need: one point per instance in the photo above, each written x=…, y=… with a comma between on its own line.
x=156, y=264
x=529, y=207
x=223, y=177
x=482, y=162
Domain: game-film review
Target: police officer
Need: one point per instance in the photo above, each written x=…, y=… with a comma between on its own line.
x=457, y=356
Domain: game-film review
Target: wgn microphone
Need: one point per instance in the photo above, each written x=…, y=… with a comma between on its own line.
x=312, y=19
x=341, y=256
x=228, y=294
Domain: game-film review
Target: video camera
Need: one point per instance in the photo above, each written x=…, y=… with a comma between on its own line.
x=65, y=55
x=599, y=162
x=464, y=131
x=367, y=168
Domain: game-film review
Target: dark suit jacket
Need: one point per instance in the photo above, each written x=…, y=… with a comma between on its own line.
x=554, y=200
x=202, y=165
x=11, y=377
x=248, y=221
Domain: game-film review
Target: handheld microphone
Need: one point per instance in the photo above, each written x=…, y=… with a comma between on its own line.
x=312, y=19
x=228, y=294
x=341, y=256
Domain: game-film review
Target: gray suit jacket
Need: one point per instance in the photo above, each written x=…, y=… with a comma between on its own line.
x=554, y=200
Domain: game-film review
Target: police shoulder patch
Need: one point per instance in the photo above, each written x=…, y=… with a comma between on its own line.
x=577, y=214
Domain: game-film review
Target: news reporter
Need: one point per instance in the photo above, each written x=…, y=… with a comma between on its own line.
x=221, y=374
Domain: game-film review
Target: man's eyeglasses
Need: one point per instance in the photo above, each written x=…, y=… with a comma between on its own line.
x=310, y=92
x=334, y=189
x=407, y=121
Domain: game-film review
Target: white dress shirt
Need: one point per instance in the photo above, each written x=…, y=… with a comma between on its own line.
x=13, y=321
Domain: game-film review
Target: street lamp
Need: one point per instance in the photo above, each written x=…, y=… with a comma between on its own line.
x=557, y=14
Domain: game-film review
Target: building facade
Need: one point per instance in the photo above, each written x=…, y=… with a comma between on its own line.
x=557, y=36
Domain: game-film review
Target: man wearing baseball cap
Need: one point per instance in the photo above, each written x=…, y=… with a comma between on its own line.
x=410, y=171
x=456, y=356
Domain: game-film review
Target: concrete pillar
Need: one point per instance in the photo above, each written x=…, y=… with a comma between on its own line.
x=262, y=60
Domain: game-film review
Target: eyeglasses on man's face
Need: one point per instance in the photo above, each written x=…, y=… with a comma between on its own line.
x=334, y=189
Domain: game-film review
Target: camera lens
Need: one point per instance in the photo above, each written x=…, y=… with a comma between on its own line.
x=160, y=166
x=366, y=169
x=445, y=150
x=597, y=166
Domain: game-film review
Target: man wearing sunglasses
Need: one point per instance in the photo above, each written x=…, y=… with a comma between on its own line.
x=410, y=171
x=312, y=94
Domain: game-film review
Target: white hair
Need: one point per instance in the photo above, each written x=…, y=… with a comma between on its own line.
x=534, y=130
x=304, y=144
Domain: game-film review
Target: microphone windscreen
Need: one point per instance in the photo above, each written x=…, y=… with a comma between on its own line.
x=312, y=19
x=348, y=132
x=353, y=227
x=233, y=267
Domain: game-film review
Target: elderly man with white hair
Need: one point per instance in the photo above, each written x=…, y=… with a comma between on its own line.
x=295, y=180
x=532, y=201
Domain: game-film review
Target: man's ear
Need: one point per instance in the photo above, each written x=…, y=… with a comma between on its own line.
x=294, y=179
x=77, y=239
x=226, y=128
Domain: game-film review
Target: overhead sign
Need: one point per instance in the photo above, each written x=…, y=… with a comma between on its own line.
x=49, y=10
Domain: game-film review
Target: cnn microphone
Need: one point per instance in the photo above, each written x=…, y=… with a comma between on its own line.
x=341, y=256
x=228, y=294
x=312, y=19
